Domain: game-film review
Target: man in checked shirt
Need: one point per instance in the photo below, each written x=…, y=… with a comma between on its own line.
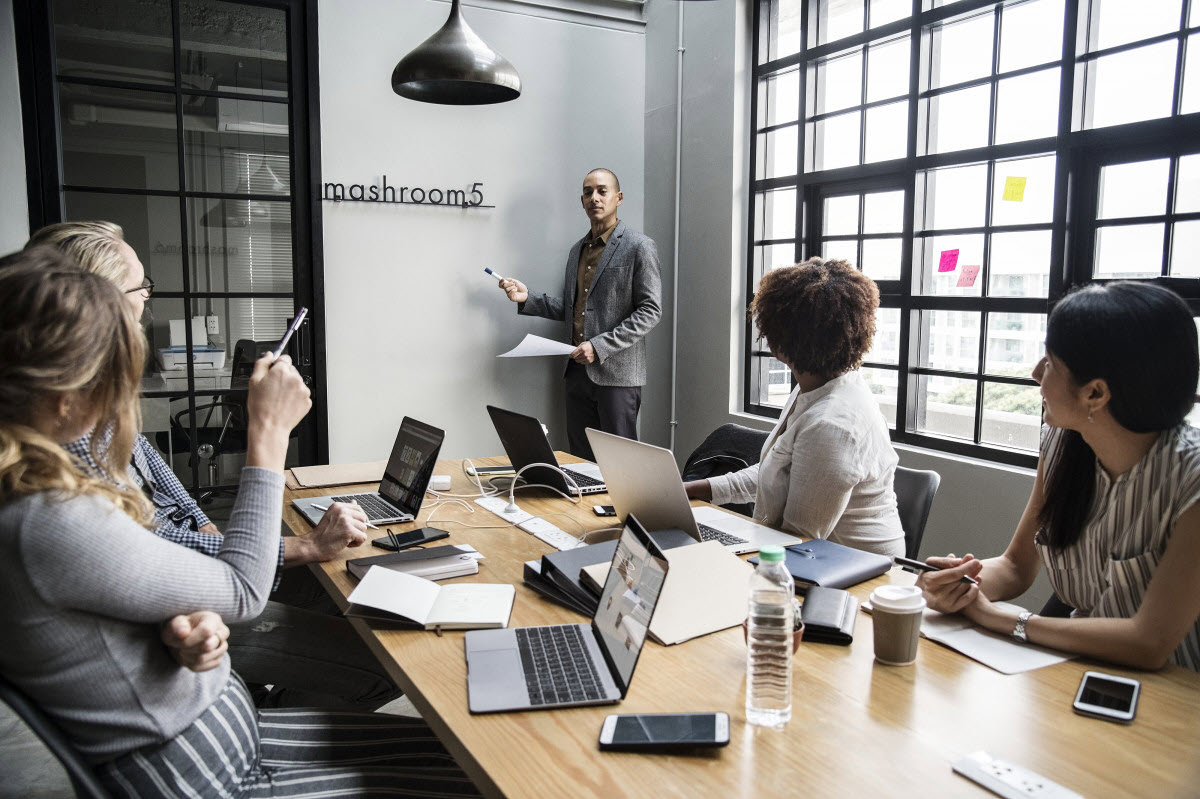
x=300, y=644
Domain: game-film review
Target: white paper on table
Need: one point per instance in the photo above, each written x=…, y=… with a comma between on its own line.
x=1003, y=653
x=533, y=346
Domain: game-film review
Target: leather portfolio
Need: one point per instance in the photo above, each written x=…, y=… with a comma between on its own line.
x=829, y=615
x=830, y=565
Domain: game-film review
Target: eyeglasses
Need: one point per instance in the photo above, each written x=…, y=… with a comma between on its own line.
x=147, y=286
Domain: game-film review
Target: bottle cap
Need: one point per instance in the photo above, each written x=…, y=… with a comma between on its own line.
x=771, y=554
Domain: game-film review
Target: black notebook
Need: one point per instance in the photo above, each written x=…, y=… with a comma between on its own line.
x=824, y=563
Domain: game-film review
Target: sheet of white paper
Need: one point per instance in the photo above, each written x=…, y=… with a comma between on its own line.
x=533, y=346
x=1000, y=652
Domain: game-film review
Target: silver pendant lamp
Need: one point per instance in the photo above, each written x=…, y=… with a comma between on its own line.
x=455, y=67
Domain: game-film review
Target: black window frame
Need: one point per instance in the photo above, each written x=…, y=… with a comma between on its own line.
x=39, y=80
x=1079, y=154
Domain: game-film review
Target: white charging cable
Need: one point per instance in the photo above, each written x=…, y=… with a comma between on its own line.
x=512, y=505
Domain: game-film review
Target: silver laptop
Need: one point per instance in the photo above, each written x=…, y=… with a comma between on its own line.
x=405, y=479
x=525, y=442
x=644, y=480
x=567, y=665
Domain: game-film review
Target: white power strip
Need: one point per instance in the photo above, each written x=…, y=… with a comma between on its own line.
x=534, y=525
x=1009, y=780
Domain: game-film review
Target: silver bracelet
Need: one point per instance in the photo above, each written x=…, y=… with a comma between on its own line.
x=1019, y=631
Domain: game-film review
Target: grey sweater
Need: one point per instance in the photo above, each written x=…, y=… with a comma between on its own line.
x=84, y=590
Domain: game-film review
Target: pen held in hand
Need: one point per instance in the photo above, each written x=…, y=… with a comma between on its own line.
x=275, y=353
x=925, y=567
x=488, y=269
x=326, y=507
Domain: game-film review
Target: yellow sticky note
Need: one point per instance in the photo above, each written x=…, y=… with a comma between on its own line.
x=1014, y=189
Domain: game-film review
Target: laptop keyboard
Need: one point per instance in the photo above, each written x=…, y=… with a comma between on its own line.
x=557, y=666
x=373, y=506
x=583, y=480
x=712, y=534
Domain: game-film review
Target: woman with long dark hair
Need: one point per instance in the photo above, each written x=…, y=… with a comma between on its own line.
x=1114, y=512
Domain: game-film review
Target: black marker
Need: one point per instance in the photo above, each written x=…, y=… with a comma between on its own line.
x=925, y=567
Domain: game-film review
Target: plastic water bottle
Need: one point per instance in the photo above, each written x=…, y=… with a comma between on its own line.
x=769, y=641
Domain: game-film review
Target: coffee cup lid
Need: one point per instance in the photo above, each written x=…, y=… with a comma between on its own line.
x=897, y=598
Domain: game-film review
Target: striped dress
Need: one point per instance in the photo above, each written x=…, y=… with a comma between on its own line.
x=1107, y=571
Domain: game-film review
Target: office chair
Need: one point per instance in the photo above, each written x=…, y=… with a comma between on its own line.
x=83, y=779
x=914, y=497
x=729, y=448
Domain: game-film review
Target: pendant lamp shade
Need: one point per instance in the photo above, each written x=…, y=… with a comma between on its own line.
x=455, y=67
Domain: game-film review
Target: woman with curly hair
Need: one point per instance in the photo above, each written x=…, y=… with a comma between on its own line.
x=826, y=469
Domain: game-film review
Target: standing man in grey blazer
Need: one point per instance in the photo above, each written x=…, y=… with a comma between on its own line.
x=612, y=297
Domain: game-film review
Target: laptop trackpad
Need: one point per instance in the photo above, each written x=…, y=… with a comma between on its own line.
x=496, y=681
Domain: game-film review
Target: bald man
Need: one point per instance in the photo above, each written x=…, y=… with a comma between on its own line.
x=611, y=298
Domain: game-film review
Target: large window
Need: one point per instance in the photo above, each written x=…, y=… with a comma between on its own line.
x=187, y=123
x=976, y=159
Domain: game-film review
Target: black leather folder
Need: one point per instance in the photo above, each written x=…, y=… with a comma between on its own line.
x=829, y=615
x=829, y=565
x=535, y=580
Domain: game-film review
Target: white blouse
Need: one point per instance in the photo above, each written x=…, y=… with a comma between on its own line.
x=1107, y=571
x=826, y=470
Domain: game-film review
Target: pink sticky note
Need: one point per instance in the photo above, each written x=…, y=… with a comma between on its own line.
x=966, y=278
x=949, y=261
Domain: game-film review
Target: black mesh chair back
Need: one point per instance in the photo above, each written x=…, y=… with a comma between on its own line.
x=729, y=448
x=83, y=779
x=915, y=489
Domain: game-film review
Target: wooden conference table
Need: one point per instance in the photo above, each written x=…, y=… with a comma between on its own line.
x=857, y=728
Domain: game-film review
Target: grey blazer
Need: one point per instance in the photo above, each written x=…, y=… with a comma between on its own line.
x=624, y=304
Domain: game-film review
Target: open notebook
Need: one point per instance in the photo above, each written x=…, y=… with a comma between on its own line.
x=403, y=599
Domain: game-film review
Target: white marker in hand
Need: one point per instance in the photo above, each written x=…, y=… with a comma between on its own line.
x=488, y=269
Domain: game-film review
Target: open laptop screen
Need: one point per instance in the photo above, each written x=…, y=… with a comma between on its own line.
x=411, y=465
x=627, y=603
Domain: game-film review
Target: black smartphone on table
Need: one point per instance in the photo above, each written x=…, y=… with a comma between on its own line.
x=412, y=538
x=604, y=510
x=663, y=731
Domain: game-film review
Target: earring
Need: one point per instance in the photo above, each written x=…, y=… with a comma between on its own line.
x=1090, y=419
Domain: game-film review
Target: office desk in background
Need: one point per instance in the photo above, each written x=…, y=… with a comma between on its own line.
x=857, y=728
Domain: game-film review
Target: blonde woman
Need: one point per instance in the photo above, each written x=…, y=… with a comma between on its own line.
x=84, y=582
x=300, y=644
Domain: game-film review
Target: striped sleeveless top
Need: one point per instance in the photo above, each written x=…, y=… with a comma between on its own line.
x=1106, y=572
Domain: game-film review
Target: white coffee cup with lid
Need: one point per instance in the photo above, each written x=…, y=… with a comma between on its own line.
x=896, y=612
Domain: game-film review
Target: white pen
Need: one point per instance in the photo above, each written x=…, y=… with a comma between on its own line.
x=326, y=507
x=488, y=269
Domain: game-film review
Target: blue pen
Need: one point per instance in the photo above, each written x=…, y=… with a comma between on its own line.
x=488, y=269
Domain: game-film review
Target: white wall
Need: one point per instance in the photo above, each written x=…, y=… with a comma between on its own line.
x=14, y=201
x=978, y=504
x=414, y=324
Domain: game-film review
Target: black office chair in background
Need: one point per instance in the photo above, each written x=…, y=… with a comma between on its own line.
x=915, y=489
x=729, y=448
x=83, y=779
